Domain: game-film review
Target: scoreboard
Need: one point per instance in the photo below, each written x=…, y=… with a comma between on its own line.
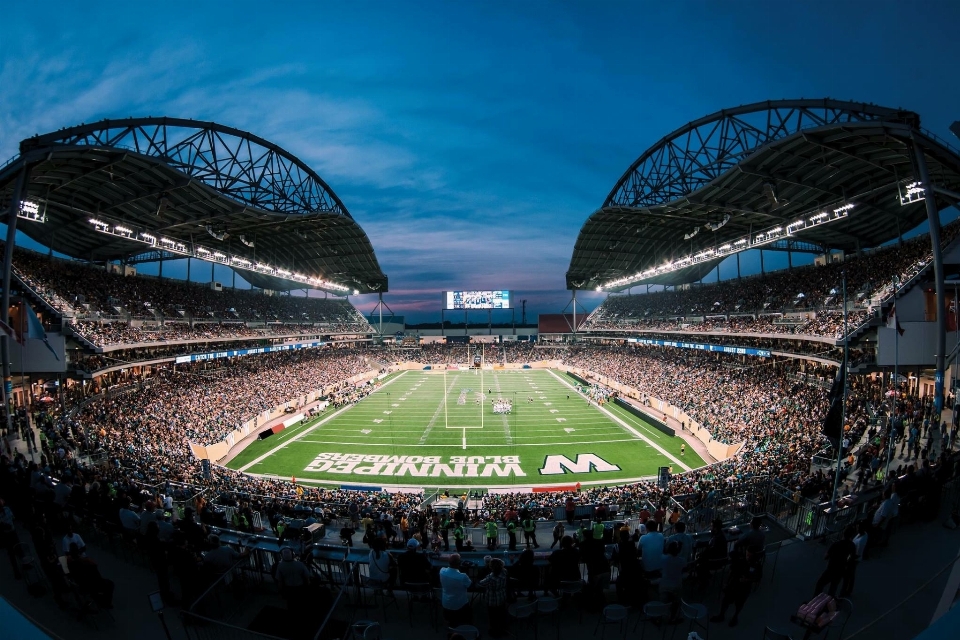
x=476, y=300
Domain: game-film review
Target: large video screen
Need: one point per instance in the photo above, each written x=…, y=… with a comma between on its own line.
x=476, y=299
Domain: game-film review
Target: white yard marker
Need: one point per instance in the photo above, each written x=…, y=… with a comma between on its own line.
x=394, y=405
x=547, y=403
x=626, y=426
x=561, y=419
x=306, y=432
x=554, y=410
x=569, y=429
x=366, y=431
x=388, y=412
x=378, y=421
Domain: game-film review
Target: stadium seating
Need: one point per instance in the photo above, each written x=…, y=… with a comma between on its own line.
x=111, y=309
x=758, y=304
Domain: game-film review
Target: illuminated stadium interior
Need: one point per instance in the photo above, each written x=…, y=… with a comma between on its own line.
x=278, y=422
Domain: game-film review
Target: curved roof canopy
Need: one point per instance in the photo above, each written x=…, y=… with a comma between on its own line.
x=196, y=188
x=758, y=167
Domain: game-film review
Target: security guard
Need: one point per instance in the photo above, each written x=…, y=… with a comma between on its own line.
x=530, y=532
x=444, y=531
x=458, y=537
x=512, y=534
x=598, y=531
x=491, y=527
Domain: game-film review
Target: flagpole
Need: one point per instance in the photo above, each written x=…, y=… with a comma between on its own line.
x=843, y=407
x=896, y=363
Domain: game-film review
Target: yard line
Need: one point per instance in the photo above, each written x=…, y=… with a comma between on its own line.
x=460, y=446
x=306, y=431
x=506, y=421
x=443, y=406
x=630, y=429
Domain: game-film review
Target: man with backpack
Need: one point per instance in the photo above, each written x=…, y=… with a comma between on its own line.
x=558, y=531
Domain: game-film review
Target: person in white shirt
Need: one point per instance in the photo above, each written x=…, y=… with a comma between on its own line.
x=651, y=547
x=379, y=570
x=455, y=599
x=71, y=537
x=887, y=510
x=148, y=515
x=685, y=540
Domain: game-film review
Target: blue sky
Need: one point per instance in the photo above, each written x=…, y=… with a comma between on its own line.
x=470, y=140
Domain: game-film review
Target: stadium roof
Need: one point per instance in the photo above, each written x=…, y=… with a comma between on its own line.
x=171, y=187
x=828, y=174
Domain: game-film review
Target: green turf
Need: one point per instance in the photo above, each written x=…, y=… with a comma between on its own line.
x=408, y=417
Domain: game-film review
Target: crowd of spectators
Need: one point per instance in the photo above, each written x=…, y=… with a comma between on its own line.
x=90, y=291
x=107, y=333
x=826, y=324
x=145, y=429
x=464, y=354
x=771, y=407
x=809, y=288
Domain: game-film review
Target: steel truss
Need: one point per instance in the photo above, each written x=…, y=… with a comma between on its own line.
x=238, y=164
x=698, y=153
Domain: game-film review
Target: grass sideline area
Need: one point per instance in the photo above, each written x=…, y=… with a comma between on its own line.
x=439, y=429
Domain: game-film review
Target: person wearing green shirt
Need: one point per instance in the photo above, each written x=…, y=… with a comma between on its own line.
x=598, y=530
x=512, y=534
x=458, y=537
x=445, y=531
x=491, y=527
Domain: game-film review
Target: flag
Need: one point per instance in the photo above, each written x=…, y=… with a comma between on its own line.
x=833, y=422
x=893, y=322
x=30, y=327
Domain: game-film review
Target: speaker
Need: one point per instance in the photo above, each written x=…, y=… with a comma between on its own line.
x=265, y=434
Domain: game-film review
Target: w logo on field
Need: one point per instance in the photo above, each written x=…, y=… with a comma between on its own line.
x=585, y=463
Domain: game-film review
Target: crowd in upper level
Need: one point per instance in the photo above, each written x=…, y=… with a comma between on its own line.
x=91, y=292
x=107, y=334
x=825, y=324
x=766, y=297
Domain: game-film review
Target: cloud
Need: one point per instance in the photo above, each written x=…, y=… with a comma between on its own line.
x=443, y=203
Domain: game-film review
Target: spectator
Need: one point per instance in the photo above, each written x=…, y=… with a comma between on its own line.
x=671, y=579
x=414, y=567
x=293, y=579
x=455, y=598
x=838, y=558
x=745, y=571
x=495, y=596
x=85, y=574
x=651, y=547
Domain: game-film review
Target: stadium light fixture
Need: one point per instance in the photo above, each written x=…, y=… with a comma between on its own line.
x=913, y=192
x=755, y=241
x=209, y=255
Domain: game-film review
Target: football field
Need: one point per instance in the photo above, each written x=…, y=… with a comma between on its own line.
x=520, y=428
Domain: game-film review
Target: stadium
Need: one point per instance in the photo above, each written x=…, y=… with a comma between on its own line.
x=278, y=421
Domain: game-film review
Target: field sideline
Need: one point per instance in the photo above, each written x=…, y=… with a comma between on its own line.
x=433, y=429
